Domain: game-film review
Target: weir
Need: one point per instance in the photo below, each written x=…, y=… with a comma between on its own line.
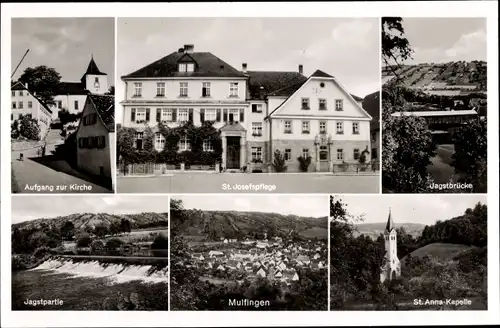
x=115, y=272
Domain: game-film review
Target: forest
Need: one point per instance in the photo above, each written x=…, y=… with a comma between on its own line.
x=355, y=263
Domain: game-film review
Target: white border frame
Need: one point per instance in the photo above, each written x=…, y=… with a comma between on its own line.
x=487, y=9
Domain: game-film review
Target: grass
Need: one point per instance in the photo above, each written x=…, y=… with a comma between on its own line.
x=85, y=293
x=441, y=251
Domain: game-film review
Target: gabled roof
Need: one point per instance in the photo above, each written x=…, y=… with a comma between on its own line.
x=320, y=73
x=208, y=65
x=390, y=224
x=105, y=108
x=269, y=83
x=19, y=86
x=72, y=88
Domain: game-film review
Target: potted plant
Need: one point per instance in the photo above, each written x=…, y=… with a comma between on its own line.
x=279, y=163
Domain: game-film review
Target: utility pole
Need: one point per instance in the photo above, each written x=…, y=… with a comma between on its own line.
x=19, y=63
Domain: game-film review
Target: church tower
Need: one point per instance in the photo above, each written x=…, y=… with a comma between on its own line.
x=95, y=81
x=391, y=268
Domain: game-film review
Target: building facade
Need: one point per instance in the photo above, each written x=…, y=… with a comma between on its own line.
x=391, y=267
x=96, y=137
x=25, y=103
x=257, y=112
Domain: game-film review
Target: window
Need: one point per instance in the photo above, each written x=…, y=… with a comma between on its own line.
x=183, y=115
x=288, y=127
x=205, y=90
x=20, y=105
x=374, y=153
x=356, y=153
x=190, y=67
x=322, y=127
x=14, y=105
x=96, y=80
x=182, y=68
x=256, y=108
x=305, y=127
x=211, y=114
x=186, y=67
x=76, y=104
x=140, y=116
x=355, y=128
x=340, y=154
x=374, y=135
x=30, y=104
x=13, y=93
x=183, y=89
x=339, y=104
x=305, y=103
x=166, y=115
x=208, y=144
x=183, y=144
x=233, y=89
x=21, y=93
x=90, y=119
x=256, y=154
x=138, y=140
x=323, y=153
x=340, y=128
x=159, y=142
x=288, y=154
x=11, y=117
x=256, y=129
x=305, y=152
x=160, y=89
x=59, y=104
x=322, y=104
x=233, y=114
x=138, y=89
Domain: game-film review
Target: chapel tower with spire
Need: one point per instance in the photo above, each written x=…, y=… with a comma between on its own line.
x=391, y=268
x=94, y=80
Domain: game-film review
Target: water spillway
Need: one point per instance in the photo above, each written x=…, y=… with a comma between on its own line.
x=115, y=272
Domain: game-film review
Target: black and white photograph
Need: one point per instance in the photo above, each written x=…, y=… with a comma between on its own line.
x=434, y=103
x=90, y=253
x=408, y=252
x=63, y=105
x=212, y=105
x=249, y=253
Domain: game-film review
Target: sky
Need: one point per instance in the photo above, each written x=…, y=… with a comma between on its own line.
x=425, y=209
x=304, y=205
x=446, y=39
x=343, y=47
x=65, y=44
x=37, y=207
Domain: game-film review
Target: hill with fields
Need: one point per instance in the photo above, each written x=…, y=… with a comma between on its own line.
x=83, y=221
x=213, y=225
x=441, y=251
x=373, y=230
x=440, y=76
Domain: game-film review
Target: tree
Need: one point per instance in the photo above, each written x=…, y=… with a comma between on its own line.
x=125, y=144
x=470, y=157
x=84, y=240
x=160, y=242
x=101, y=231
x=29, y=128
x=125, y=226
x=14, y=130
x=395, y=46
x=111, y=91
x=43, y=81
x=279, y=163
x=68, y=230
x=66, y=117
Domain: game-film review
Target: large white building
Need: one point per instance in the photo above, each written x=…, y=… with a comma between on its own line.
x=257, y=112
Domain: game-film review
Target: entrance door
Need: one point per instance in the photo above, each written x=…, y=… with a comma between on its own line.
x=233, y=153
x=324, y=155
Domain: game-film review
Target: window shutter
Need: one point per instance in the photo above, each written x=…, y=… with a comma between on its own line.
x=224, y=115
x=202, y=115
x=174, y=114
x=190, y=115
x=158, y=114
x=218, y=115
x=95, y=118
x=103, y=142
x=147, y=114
x=242, y=114
x=132, y=116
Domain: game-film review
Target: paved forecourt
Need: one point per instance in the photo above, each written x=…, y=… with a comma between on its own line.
x=250, y=183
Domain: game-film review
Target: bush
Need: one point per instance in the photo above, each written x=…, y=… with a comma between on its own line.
x=113, y=244
x=304, y=163
x=279, y=163
x=160, y=242
x=41, y=252
x=68, y=149
x=97, y=246
x=29, y=128
x=19, y=263
x=84, y=240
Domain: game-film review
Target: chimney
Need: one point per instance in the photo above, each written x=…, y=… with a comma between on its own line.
x=26, y=85
x=181, y=50
x=189, y=48
x=301, y=69
x=244, y=67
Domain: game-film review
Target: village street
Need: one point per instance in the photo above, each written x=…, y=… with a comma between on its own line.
x=247, y=183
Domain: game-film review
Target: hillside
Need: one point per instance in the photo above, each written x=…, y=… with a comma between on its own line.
x=84, y=220
x=371, y=104
x=375, y=229
x=442, y=76
x=441, y=251
x=213, y=225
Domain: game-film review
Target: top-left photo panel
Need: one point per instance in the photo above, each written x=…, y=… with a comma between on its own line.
x=63, y=105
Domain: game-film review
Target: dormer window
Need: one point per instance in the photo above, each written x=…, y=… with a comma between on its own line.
x=186, y=67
